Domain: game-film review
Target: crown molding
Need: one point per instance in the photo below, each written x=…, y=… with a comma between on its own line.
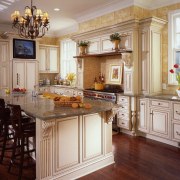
x=154, y=4
x=102, y=10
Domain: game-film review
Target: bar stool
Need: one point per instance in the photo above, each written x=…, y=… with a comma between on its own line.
x=6, y=134
x=22, y=132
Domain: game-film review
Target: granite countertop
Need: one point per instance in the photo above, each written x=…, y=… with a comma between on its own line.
x=162, y=97
x=45, y=109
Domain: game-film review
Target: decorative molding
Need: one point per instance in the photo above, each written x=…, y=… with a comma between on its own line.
x=127, y=58
x=46, y=128
x=111, y=114
x=133, y=120
x=120, y=27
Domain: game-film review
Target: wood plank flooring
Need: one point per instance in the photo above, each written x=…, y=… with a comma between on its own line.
x=135, y=158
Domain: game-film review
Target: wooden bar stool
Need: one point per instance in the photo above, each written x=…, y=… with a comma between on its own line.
x=22, y=132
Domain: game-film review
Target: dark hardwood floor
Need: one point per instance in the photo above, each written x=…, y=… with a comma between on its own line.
x=135, y=158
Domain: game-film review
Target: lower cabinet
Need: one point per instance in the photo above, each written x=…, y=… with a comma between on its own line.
x=124, y=115
x=143, y=123
x=160, y=118
x=160, y=122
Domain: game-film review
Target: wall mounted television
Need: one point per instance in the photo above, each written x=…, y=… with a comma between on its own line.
x=24, y=49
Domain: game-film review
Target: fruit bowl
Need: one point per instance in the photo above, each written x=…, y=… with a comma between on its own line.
x=19, y=91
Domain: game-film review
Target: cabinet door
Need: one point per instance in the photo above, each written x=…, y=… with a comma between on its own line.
x=31, y=75
x=160, y=122
x=94, y=46
x=143, y=120
x=42, y=60
x=4, y=65
x=19, y=74
x=53, y=60
x=106, y=44
x=128, y=82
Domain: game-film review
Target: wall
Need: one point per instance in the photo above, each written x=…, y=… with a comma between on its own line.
x=163, y=13
x=128, y=14
x=139, y=13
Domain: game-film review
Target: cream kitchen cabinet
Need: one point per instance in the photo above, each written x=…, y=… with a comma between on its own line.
x=25, y=74
x=124, y=115
x=4, y=64
x=160, y=122
x=94, y=46
x=48, y=59
x=176, y=122
x=150, y=71
x=143, y=112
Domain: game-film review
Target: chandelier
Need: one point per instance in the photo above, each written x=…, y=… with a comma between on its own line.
x=33, y=24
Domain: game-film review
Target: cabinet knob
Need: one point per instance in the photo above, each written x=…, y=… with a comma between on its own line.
x=177, y=133
x=142, y=104
x=177, y=112
x=151, y=113
x=159, y=103
x=122, y=123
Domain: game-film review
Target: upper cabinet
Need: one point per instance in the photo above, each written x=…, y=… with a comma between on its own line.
x=103, y=44
x=150, y=73
x=4, y=64
x=48, y=59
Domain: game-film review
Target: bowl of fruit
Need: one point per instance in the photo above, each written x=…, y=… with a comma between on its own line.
x=19, y=91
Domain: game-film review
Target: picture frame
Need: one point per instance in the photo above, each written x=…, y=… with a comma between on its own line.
x=115, y=74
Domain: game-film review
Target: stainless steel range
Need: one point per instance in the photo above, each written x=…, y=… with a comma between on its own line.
x=90, y=93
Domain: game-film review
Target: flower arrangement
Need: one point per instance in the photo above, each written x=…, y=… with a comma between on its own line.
x=71, y=77
x=176, y=66
x=115, y=36
x=83, y=43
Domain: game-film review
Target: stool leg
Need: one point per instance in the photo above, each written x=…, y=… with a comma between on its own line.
x=22, y=158
x=13, y=152
x=4, y=143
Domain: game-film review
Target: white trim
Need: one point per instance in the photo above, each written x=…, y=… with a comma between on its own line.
x=154, y=4
x=171, y=48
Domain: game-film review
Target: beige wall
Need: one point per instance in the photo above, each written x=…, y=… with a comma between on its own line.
x=128, y=14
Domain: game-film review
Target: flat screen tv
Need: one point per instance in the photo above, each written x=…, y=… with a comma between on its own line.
x=25, y=49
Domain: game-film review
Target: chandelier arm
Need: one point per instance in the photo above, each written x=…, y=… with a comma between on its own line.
x=31, y=25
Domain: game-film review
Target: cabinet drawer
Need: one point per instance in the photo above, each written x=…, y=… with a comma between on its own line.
x=176, y=111
x=123, y=123
x=122, y=99
x=123, y=115
x=160, y=103
x=124, y=107
x=176, y=131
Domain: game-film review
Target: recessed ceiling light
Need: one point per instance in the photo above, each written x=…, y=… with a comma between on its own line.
x=56, y=9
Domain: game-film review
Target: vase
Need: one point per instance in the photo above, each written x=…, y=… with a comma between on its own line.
x=116, y=44
x=82, y=50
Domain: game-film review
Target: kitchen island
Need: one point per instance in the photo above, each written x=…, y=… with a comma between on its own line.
x=70, y=142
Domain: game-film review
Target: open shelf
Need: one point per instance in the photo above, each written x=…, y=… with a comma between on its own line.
x=104, y=54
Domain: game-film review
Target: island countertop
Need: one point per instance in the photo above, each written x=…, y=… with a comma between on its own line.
x=45, y=109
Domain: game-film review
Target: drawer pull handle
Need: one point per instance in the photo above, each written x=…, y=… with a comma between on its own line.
x=122, y=107
x=151, y=113
x=177, y=133
x=159, y=103
x=122, y=123
x=122, y=114
x=142, y=104
x=177, y=112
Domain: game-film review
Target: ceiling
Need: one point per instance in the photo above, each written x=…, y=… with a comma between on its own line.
x=72, y=12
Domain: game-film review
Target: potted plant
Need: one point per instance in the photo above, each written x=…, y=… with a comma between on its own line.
x=83, y=45
x=115, y=38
